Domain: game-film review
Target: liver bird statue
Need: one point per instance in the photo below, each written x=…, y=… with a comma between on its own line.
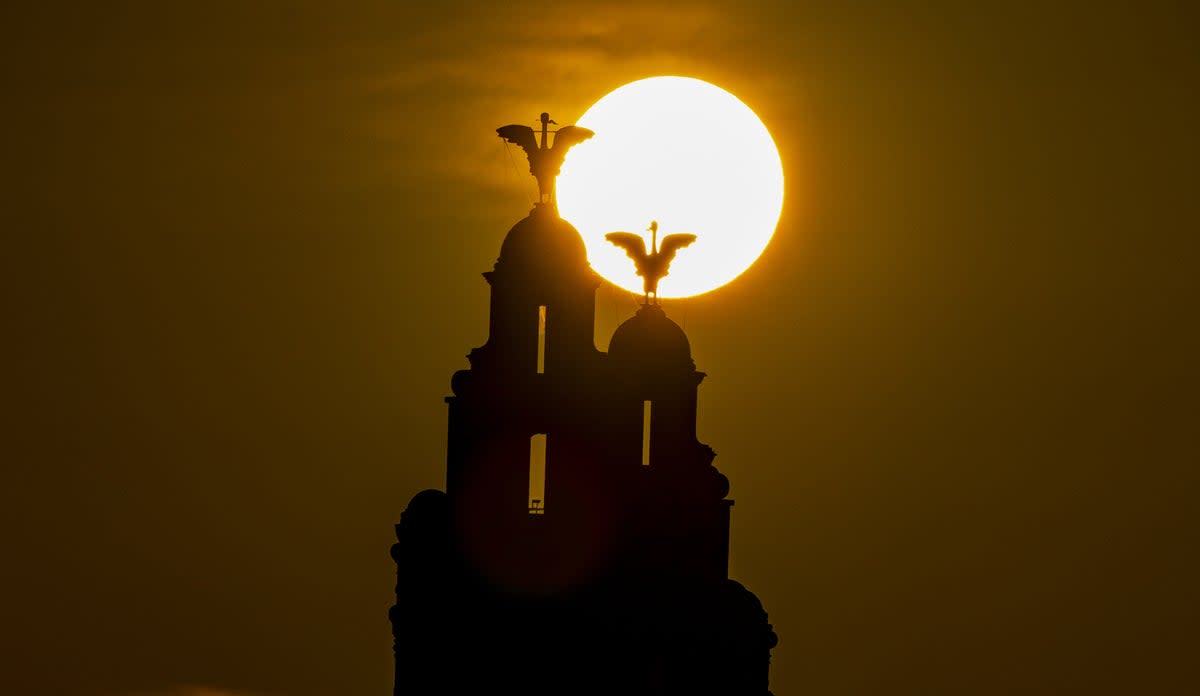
x=545, y=162
x=652, y=266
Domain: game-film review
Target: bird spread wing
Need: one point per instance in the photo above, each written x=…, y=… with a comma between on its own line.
x=633, y=244
x=520, y=135
x=672, y=243
x=570, y=136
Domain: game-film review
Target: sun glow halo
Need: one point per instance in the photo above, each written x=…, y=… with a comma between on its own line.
x=687, y=154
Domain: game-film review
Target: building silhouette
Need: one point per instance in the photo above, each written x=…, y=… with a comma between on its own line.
x=581, y=545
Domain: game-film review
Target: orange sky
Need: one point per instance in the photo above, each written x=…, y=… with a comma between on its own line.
x=956, y=398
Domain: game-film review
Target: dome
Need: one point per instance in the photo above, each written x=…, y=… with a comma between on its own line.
x=543, y=240
x=651, y=339
x=425, y=508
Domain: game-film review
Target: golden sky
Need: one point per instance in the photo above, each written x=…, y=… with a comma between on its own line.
x=956, y=398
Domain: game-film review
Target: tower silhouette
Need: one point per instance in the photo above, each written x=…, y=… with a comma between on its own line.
x=581, y=545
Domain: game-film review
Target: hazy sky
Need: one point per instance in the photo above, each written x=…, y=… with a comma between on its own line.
x=957, y=398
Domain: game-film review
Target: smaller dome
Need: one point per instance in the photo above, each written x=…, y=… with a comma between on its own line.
x=543, y=240
x=649, y=338
x=425, y=508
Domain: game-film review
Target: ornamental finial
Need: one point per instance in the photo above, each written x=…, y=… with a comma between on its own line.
x=545, y=161
x=652, y=266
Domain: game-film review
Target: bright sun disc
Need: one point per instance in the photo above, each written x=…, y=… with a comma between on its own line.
x=687, y=154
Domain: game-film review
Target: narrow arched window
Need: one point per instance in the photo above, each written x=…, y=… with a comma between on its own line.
x=537, y=474
x=646, y=407
x=541, y=342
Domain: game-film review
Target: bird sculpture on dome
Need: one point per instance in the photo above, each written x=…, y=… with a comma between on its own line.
x=545, y=162
x=652, y=267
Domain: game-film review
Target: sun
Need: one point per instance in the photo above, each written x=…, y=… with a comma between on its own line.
x=687, y=154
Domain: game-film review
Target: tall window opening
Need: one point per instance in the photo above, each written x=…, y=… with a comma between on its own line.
x=646, y=433
x=537, y=474
x=541, y=355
